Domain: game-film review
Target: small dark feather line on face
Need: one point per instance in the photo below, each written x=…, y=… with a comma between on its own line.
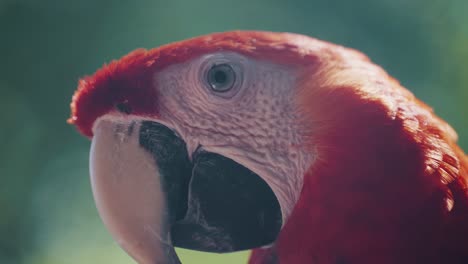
x=123, y=107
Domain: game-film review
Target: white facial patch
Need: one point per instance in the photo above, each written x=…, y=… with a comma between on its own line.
x=257, y=127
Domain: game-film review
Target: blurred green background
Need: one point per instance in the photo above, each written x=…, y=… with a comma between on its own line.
x=47, y=214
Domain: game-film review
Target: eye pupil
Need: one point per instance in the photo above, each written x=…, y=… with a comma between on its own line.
x=221, y=77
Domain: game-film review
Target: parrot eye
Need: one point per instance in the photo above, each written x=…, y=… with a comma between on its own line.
x=221, y=78
x=222, y=74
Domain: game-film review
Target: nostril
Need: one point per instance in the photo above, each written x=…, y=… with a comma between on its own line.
x=123, y=107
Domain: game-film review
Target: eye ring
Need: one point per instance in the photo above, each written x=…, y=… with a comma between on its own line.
x=221, y=77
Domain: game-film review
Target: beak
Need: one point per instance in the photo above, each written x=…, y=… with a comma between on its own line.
x=152, y=197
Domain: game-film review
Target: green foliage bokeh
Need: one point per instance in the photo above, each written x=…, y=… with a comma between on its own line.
x=47, y=214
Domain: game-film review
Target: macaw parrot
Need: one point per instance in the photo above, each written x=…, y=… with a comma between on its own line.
x=302, y=150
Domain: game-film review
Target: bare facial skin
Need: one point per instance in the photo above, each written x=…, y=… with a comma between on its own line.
x=255, y=124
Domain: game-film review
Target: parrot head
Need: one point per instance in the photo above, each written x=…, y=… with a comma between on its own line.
x=239, y=140
x=197, y=144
